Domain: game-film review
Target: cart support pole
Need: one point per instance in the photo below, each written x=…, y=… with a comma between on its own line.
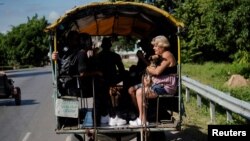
x=55, y=72
x=143, y=108
x=94, y=109
x=144, y=111
x=181, y=110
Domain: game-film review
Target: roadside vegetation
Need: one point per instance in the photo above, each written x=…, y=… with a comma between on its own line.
x=214, y=75
x=216, y=31
x=25, y=45
x=217, y=74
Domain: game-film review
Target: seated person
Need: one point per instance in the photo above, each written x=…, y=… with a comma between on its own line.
x=136, y=71
x=163, y=77
x=82, y=65
x=69, y=64
x=76, y=61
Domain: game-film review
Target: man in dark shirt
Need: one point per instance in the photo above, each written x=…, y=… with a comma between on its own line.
x=76, y=63
x=111, y=63
x=113, y=73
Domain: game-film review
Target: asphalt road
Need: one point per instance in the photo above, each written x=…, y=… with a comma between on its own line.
x=34, y=119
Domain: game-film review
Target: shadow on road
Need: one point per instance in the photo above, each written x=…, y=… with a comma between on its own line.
x=190, y=133
x=31, y=73
x=10, y=102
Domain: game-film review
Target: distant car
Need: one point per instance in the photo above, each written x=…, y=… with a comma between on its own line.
x=8, y=90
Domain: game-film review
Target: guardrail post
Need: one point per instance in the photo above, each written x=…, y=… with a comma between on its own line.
x=224, y=100
x=212, y=111
x=229, y=116
x=187, y=94
x=199, y=100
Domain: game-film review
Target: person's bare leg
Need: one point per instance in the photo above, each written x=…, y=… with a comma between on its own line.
x=151, y=95
x=132, y=93
x=140, y=104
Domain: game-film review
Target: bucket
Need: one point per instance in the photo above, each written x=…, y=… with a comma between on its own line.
x=88, y=120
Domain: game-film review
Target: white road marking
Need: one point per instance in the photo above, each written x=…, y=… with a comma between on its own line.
x=26, y=137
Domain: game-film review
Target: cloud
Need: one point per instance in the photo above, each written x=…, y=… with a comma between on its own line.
x=53, y=16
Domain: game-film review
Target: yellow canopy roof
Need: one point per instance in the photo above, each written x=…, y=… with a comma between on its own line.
x=117, y=18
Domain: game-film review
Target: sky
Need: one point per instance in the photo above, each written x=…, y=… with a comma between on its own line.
x=15, y=12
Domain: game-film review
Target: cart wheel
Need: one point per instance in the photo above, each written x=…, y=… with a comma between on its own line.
x=18, y=96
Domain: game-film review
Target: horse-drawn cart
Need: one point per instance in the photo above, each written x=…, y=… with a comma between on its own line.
x=138, y=20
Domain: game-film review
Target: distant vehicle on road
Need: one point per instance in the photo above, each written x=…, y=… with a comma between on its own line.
x=8, y=90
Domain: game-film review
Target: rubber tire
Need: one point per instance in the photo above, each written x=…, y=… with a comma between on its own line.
x=18, y=96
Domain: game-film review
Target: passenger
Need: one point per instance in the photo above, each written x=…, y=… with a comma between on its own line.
x=143, y=55
x=137, y=71
x=111, y=63
x=83, y=65
x=113, y=73
x=164, y=77
x=74, y=62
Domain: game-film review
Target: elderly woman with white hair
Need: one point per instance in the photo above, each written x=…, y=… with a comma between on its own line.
x=163, y=77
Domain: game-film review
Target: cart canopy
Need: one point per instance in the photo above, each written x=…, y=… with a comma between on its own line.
x=117, y=18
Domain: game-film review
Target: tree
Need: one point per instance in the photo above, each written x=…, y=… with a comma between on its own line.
x=217, y=30
x=27, y=44
x=2, y=52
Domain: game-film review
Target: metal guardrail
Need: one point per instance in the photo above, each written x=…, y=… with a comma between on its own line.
x=215, y=96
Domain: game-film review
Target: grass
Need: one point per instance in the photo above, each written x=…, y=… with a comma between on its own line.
x=217, y=74
x=214, y=75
